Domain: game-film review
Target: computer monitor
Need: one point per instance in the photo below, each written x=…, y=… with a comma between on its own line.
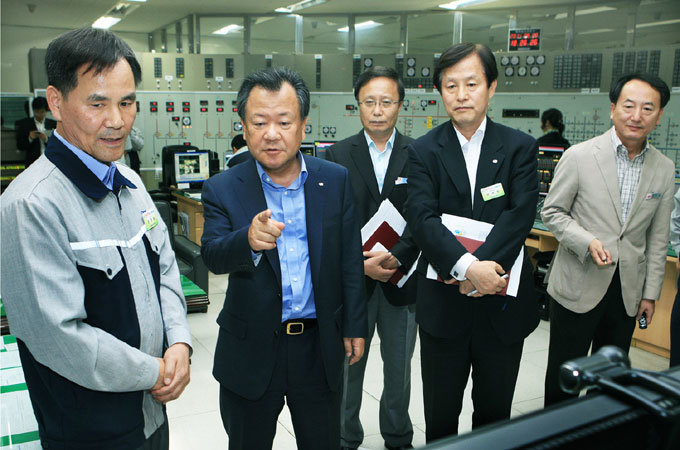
x=168, y=163
x=192, y=167
x=548, y=156
x=320, y=148
x=307, y=148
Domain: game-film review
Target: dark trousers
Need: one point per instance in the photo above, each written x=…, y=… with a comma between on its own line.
x=675, y=329
x=299, y=377
x=571, y=334
x=445, y=365
x=159, y=440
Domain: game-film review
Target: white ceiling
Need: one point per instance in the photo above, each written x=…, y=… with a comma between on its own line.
x=149, y=16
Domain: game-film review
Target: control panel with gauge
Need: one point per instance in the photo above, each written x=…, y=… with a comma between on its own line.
x=528, y=83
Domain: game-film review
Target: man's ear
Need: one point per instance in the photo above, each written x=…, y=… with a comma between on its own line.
x=54, y=100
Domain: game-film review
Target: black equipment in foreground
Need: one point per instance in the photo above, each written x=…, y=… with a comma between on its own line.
x=631, y=409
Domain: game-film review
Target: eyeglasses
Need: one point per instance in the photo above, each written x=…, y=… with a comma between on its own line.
x=386, y=104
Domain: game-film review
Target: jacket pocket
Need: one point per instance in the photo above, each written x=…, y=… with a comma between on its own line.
x=233, y=325
x=104, y=259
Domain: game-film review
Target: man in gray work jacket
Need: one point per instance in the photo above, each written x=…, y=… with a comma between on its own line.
x=89, y=279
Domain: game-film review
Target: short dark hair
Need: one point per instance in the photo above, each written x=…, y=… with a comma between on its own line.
x=378, y=72
x=39, y=103
x=554, y=116
x=457, y=52
x=654, y=81
x=238, y=142
x=271, y=79
x=95, y=48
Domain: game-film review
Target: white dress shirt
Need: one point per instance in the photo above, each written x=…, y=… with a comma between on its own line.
x=471, y=151
x=40, y=128
x=380, y=159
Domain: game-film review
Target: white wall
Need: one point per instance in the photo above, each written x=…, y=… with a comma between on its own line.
x=16, y=42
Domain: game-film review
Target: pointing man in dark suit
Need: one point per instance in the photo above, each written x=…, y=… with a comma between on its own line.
x=474, y=168
x=32, y=131
x=377, y=160
x=283, y=226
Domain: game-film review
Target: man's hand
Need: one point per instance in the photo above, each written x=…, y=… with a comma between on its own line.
x=354, y=349
x=374, y=265
x=43, y=137
x=600, y=256
x=264, y=231
x=648, y=307
x=466, y=287
x=34, y=134
x=486, y=277
x=176, y=373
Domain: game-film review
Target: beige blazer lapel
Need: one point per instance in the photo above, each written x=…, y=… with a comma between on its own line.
x=649, y=171
x=606, y=161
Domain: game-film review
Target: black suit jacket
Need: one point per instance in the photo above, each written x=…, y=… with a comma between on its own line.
x=438, y=183
x=23, y=128
x=353, y=154
x=250, y=321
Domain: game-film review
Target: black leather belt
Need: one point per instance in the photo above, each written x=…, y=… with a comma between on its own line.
x=297, y=326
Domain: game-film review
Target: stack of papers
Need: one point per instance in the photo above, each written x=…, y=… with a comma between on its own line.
x=381, y=232
x=472, y=234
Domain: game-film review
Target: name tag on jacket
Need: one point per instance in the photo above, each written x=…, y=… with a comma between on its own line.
x=493, y=191
x=652, y=195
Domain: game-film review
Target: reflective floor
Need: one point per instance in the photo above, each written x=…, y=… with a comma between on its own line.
x=195, y=417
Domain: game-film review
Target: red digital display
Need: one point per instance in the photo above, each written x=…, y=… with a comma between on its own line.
x=204, y=109
x=185, y=103
x=220, y=109
x=185, y=109
x=175, y=118
x=529, y=39
x=170, y=109
x=234, y=109
x=432, y=102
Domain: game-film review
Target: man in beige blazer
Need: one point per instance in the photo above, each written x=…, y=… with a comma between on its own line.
x=609, y=207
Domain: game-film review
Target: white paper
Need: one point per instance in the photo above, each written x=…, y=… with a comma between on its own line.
x=474, y=229
x=386, y=213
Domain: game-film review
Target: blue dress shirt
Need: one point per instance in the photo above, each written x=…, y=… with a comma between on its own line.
x=288, y=206
x=102, y=171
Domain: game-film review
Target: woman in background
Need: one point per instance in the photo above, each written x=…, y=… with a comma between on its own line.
x=553, y=127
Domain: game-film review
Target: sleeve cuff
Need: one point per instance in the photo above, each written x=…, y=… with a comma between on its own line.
x=460, y=268
x=256, y=257
x=179, y=335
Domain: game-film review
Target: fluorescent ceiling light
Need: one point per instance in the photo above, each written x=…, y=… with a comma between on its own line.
x=139, y=1
x=361, y=26
x=583, y=12
x=105, y=22
x=458, y=3
x=596, y=31
x=228, y=29
x=499, y=25
x=299, y=5
x=656, y=24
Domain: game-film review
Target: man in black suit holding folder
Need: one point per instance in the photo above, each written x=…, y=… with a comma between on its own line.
x=377, y=160
x=475, y=168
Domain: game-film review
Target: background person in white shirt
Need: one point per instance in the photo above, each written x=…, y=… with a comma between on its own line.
x=32, y=132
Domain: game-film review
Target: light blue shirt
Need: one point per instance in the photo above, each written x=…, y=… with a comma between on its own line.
x=99, y=169
x=380, y=159
x=288, y=206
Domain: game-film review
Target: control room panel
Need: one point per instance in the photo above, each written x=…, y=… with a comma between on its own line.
x=190, y=99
